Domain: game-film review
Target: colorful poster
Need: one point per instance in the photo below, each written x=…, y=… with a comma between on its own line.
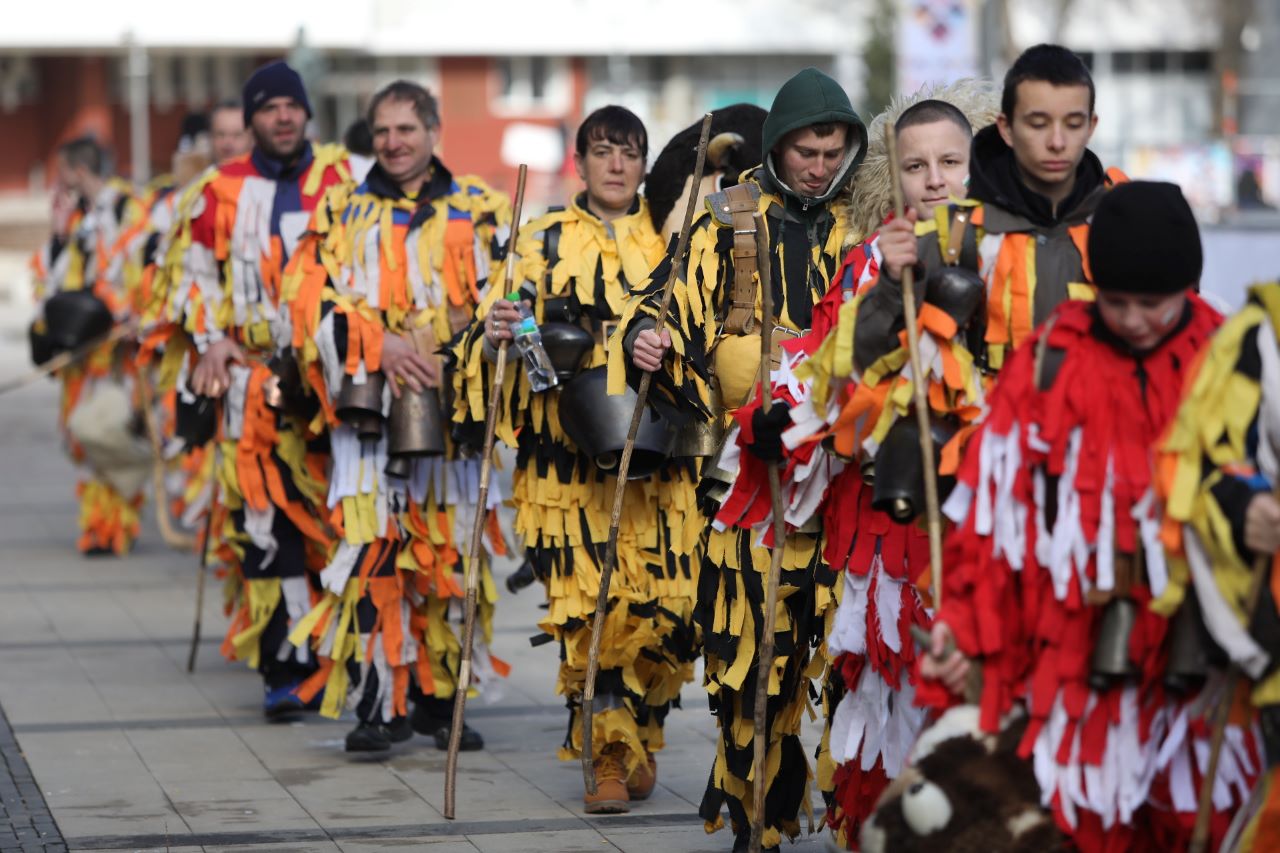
x=937, y=42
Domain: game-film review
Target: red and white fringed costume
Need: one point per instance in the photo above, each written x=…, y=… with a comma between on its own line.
x=1055, y=493
x=839, y=418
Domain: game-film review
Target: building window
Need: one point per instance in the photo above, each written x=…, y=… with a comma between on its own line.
x=525, y=85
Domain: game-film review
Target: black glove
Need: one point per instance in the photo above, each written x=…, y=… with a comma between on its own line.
x=767, y=432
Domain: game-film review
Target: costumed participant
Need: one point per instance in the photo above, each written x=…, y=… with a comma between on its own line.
x=217, y=293
x=87, y=282
x=389, y=271
x=1222, y=516
x=1056, y=557
x=705, y=365
x=852, y=422
x=576, y=266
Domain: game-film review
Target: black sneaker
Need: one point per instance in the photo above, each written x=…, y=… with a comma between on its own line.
x=368, y=737
x=281, y=704
x=742, y=844
x=424, y=723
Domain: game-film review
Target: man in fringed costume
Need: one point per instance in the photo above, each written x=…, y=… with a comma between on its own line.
x=216, y=314
x=1058, y=582
x=841, y=417
x=389, y=271
x=705, y=366
x=575, y=267
x=1221, y=516
x=97, y=254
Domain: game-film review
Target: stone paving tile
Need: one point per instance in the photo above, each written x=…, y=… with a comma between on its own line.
x=431, y=845
x=567, y=841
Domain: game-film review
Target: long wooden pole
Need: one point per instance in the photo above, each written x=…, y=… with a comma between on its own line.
x=477, y=527
x=1204, y=809
x=203, y=571
x=933, y=513
x=764, y=261
x=624, y=466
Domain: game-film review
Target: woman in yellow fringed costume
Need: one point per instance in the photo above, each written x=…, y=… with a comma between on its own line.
x=706, y=367
x=388, y=271
x=576, y=266
x=99, y=405
x=1219, y=470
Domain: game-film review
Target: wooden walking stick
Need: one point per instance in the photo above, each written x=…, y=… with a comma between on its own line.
x=203, y=571
x=477, y=527
x=624, y=465
x=760, y=715
x=933, y=513
x=171, y=536
x=1204, y=809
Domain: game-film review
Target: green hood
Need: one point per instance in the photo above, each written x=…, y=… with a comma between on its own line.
x=809, y=98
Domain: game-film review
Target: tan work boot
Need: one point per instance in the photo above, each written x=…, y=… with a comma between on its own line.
x=611, y=785
x=642, y=780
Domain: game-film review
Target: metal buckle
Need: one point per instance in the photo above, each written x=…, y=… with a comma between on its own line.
x=607, y=328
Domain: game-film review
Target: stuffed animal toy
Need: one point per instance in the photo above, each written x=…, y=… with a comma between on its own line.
x=963, y=791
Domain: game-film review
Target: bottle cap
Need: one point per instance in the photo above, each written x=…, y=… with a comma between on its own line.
x=513, y=296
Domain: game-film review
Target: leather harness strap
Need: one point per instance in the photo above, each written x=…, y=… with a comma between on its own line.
x=741, y=317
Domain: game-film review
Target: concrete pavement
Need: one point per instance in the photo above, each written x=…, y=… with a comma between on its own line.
x=111, y=745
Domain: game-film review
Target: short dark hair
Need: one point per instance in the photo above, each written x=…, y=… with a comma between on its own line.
x=424, y=103
x=85, y=151
x=358, y=138
x=614, y=124
x=227, y=104
x=932, y=110
x=1053, y=64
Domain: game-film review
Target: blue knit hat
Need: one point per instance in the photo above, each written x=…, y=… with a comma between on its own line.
x=273, y=80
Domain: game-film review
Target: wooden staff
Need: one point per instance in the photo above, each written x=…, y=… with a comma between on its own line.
x=624, y=465
x=203, y=571
x=764, y=261
x=933, y=513
x=477, y=527
x=1204, y=810
x=68, y=358
x=171, y=536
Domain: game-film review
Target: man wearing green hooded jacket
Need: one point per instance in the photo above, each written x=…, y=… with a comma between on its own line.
x=705, y=365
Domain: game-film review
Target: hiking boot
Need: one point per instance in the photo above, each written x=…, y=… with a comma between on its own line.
x=368, y=737
x=611, y=795
x=399, y=730
x=642, y=780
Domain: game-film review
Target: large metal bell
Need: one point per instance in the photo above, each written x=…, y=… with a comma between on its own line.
x=75, y=317
x=360, y=406
x=195, y=420
x=1111, y=664
x=1189, y=647
x=282, y=391
x=399, y=467
x=898, y=471
x=957, y=291
x=597, y=423
x=699, y=439
x=567, y=344
x=416, y=426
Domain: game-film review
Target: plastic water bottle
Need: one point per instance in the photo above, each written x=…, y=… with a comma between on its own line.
x=528, y=340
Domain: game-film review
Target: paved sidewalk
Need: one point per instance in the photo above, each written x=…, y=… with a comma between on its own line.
x=129, y=752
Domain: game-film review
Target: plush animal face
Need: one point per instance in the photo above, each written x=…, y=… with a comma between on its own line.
x=963, y=791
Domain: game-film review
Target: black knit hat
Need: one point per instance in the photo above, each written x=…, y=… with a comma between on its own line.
x=1144, y=239
x=273, y=80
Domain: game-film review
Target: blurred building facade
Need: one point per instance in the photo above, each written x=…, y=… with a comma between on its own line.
x=515, y=78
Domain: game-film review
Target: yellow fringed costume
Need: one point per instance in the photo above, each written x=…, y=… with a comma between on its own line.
x=708, y=374
x=99, y=392
x=1220, y=453
x=375, y=263
x=576, y=268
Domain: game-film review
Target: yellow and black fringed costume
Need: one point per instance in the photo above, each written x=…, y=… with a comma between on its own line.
x=576, y=268
x=710, y=372
x=373, y=263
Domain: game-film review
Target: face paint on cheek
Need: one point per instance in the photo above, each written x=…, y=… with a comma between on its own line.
x=1168, y=317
